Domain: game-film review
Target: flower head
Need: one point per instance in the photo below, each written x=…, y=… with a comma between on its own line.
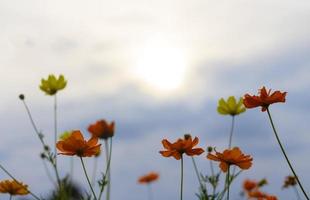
x=76, y=145
x=231, y=106
x=52, y=85
x=13, y=187
x=264, y=99
x=102, y=129
x=232, y=157
x=289, y=181
x=249, y=185
x=181, y=146
x=148, y=178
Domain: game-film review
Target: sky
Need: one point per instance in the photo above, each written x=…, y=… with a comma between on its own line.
x=158, y=68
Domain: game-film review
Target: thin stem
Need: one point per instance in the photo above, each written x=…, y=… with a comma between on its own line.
x=93, y=178
x=12, y=177
x=231, y=131
x=55, y=128
x=32, y=123
x=227, y=181
x=109, y=172
x=48, y=172
x=11, y=197
x=149, y=191
x=92, y=190
x=297, y=193
x=107, y=169
x=40, y=136
x=283, y=151
x=198, y=177
x=181, y=194
x=213, y=175
x=221, y=195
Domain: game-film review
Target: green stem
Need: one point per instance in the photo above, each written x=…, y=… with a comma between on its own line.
x=109, y=172
x=107, y=169
x=91, y=188
x=227, y=181
x=48, y=173
x=283, y=151
x=72, y=167
x=12, y=177
x=181, y=194
x=231, y=131
x=40, y=136
x=93, y=178
x=221, y=195
x=55, y=128
x=204, y=190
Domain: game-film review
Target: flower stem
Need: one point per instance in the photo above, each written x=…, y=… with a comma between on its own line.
x=231, y=131
x=93, y=178
x=11, y=197
x=227, y=181
x=107, y=169
x=204, y=190
x=92, y=190
x=109, y=172
x=55, y=128
x=12, y=177
x=283, y=151
x=181, y=194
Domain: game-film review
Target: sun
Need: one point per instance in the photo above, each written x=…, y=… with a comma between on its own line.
x=160, y=65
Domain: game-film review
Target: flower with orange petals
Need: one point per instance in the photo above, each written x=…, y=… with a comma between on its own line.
x=257, y=194
x=102, y=129
x=249, y=185
x=148, y=178
x=271, y=197
x=76, y=145
x=13, y=187
x=181, y=146
x=264, y=99
x=232, y=157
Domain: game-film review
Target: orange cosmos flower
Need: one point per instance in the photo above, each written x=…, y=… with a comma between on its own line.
x=232, y=157
x=148, y=178
x=264, y=99
x=102, y=129
x=76, y=145
x=13, y=187
x=249, y=185
x=181, y=146
x=257, y=194
x=271, y=197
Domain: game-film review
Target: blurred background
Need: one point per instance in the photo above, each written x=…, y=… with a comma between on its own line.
x=158, y=68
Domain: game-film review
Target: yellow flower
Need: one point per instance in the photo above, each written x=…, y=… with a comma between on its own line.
x=13, y=187
x=52, y=84
x=231, y=106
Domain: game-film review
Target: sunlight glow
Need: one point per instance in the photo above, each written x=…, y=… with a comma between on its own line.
x=160, y=65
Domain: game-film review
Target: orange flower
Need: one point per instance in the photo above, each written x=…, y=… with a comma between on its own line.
x=181, y=146
x=102, y=129
x=249, y=185
x=13, y=187
x=264, y=99
x=232, y=157
x=271, y=197
x=148, y=178
x=257, y=194
x=76, y=145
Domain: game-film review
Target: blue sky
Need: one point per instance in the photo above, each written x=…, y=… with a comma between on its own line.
x=196, y=52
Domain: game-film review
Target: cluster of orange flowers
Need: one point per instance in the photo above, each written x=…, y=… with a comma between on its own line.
x=75, y=144
x=252, y=190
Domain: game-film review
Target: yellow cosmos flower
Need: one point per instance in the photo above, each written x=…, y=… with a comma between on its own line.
x=231, y=106
x=52, y=84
